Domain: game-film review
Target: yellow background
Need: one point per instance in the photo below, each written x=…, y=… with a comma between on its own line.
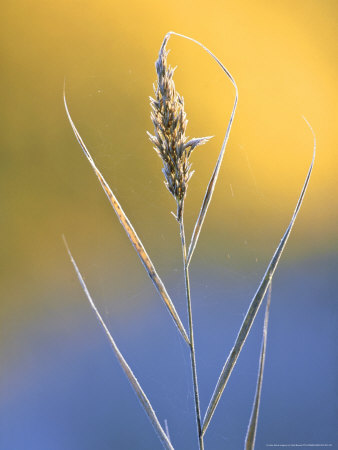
x=283, y=57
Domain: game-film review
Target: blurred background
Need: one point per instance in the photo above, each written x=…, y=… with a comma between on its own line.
x=61, y=387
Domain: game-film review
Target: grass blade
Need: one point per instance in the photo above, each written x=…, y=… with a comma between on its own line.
x=191, y=337
x=166, y=427
x=252, y=428
x=254, y=306
x=214, y=176
x=131, y=233
x=127, y=370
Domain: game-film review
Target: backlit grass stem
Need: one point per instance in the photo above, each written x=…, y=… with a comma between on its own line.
x=191, y=336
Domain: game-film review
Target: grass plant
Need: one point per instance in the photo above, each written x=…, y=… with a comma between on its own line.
x=174, y=149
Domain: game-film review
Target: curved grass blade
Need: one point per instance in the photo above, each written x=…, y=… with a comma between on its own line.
x=252, y=428
x=214, y=176
x=255, y=304
x=131, y=233
x=127, y=370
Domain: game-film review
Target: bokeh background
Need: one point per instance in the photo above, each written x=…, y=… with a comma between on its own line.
x=61, y=387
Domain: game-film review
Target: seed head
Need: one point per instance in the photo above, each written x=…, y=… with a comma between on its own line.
x=170, y=123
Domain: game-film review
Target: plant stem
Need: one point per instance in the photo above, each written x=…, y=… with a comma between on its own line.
x=191, y=335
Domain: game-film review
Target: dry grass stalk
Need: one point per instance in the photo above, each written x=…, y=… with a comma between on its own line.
x=174, y=148
x=171, y=145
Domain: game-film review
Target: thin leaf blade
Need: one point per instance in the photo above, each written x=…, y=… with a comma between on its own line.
x=214, y=176
x=252, y=428
x=123, y=363
x=255, y=304
x=166, y=427
x=131, y=233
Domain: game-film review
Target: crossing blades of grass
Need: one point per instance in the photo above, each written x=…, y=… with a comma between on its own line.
x=255, y=304
x=252, y=428
x=131, y=233
x=127, y=370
